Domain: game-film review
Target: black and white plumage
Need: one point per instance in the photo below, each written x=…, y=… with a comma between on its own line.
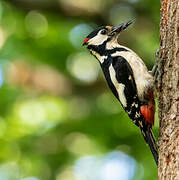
x=127, y=77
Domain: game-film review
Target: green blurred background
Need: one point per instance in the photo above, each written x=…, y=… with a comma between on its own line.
x=58, y=118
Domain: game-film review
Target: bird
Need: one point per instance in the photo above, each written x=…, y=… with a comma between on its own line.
x=127, y=77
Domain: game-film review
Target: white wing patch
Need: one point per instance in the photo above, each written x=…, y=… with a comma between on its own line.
x=119, y=86
x=122, y=97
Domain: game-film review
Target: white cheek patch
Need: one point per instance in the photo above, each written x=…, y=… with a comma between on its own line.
x=98, y=39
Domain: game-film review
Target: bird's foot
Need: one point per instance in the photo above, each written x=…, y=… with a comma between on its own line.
x=155, y=70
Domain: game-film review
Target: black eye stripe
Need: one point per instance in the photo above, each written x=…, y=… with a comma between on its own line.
x=104, y=31
x=95, y=32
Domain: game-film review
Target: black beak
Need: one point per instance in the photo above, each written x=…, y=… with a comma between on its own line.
x=120, y=27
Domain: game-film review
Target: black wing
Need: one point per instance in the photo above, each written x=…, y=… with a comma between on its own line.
x=124, y=75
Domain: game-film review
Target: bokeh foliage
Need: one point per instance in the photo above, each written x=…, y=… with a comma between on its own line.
x=58, y=119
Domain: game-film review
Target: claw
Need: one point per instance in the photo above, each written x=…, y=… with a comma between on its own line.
x=155, y=72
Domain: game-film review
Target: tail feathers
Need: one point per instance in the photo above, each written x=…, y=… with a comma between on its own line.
x=151, y=141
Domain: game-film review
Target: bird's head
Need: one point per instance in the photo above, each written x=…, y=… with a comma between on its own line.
x=104, y=34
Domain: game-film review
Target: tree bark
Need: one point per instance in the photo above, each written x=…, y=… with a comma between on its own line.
x=168, y=91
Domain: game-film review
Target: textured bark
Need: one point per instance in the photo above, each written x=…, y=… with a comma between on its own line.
x=169, y=91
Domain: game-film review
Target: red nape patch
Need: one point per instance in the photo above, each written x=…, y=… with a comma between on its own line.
x=85, y=40
x=148, y=111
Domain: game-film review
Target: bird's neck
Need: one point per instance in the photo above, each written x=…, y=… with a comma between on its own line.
x=105, y=50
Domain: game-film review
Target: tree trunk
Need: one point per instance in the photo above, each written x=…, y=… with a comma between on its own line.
x=168, y=91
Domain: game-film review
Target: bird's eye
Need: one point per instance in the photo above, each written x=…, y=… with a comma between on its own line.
x=104, y=31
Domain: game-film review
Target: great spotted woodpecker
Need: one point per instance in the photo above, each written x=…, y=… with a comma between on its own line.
x=127, y=77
